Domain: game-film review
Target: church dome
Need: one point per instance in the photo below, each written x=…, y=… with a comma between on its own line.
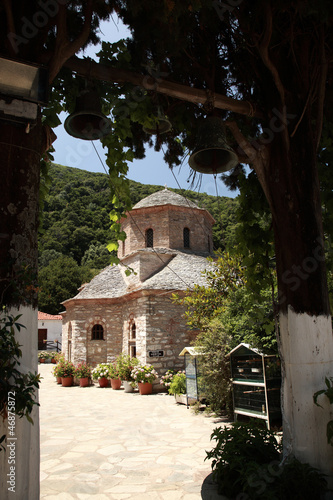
x=167, y=220
x=165, y=197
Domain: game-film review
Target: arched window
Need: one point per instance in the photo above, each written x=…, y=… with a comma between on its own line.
x=70, y=330
x=186, y=237
x=149, y=238
x=97, y=332
x=133, y=331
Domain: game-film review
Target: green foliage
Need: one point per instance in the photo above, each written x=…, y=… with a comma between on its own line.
x=17, y=389
x=254, y=233
x=82, y=370
x=58, y=281
x=65, y=369
x=96, y=257
x=246, y=464
x=239, y=451
x=113, y=371
x=203, y=303
x=329, y=394
x=214, y=343
x=125, y=364
x=249, y=317
x=178, y=384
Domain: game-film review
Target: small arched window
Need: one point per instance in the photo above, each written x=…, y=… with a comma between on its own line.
x=149, y=238
x=133, y=331
x=186, y=236
x=70, y=330
x=97, y=332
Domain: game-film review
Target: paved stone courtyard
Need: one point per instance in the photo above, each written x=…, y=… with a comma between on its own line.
x=104, y=444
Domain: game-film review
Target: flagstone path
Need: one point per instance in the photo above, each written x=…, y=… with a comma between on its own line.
x=99, y=444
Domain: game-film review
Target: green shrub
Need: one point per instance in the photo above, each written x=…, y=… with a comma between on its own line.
x=125, y=365
x=178, y=384
x=246, y=464
x=240, y=450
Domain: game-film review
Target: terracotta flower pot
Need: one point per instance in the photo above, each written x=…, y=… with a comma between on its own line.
x=127, y=386
x=58, y=380
x=145, y=388
x=84, y=382
x=115, y=383
x=67, y=381
x=103, y=382
x=42, y=360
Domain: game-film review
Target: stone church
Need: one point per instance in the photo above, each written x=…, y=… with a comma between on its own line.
x=168, y=241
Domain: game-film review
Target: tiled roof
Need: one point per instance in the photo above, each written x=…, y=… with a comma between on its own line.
x=182, y=272
x=165, y=197
x=43, y=316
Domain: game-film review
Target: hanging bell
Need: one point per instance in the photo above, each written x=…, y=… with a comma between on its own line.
x=161, y=125
x=212, y=155
x=87, y=122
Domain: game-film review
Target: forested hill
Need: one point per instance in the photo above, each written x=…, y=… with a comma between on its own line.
x=74, y=229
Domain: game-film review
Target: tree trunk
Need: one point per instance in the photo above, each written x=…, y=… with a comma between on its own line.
x=306, y=344
x=20, y=162
x=20, y=154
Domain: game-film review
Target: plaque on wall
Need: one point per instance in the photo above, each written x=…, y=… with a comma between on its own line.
x=156, y=354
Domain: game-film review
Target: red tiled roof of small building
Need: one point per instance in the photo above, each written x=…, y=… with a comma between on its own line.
x=44, y=316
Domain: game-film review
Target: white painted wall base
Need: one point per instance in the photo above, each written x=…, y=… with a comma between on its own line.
x=306, y=346
x=26, y=450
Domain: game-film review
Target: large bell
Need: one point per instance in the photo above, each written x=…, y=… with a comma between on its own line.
x=87, y=122
x=161, y=125
x=212, y=155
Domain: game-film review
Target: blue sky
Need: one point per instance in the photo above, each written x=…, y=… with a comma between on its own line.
x=151, y=170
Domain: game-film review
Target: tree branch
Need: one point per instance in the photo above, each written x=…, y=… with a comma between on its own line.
x=65, y=49
x=87, y=67
x=259, y=158
x=264, y=54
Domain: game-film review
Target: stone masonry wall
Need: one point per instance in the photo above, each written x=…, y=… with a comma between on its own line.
x=166, y=330
x=83, y=316
x=158, y=326
x=168, y=224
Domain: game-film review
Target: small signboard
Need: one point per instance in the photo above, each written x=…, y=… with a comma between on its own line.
x=156, y=354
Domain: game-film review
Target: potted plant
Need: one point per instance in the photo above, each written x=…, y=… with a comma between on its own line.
x=59, y=356
x=101, y=373
x=144, y=375
x=114, y=376
x=66, y=372
x=42, y=356
x=83, y=373
x=56, y=373
x=166, y=379
x=52, y=356
x=178, y=387
x=125, y=365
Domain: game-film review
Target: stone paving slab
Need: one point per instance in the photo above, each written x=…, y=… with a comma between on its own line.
x=104, y=444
